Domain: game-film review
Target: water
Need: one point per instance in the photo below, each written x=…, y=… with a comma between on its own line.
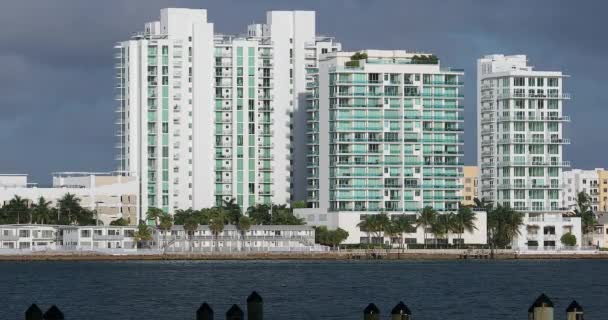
x=302, y=289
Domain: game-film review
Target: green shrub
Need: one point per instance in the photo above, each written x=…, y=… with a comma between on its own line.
x=568, y=239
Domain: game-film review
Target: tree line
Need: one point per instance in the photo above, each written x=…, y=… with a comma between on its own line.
x=68, y=211
x=382, y=225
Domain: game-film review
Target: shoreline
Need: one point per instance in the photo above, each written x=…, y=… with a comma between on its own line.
x=336, y=256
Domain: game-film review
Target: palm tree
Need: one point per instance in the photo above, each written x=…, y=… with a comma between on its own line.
x=233, y=210
x=181, y=216
x=165, y=224
x=426, y=219
x=444, y=223
x=281, y=214
x=243, y=226
x=464, y=220
x=382, y=225
x=259, y=214
x=584, y=211
x=503, y=226
x=483, y=204
x=190, y=226
x=71, y=212
x=366, y=225
x=142, y=234
x=403, y=225
x=41, y=212
x=18, y=210
x=216, y=225
x=154, y=214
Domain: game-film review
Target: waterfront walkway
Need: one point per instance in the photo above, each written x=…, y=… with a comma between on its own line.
x=358, y=254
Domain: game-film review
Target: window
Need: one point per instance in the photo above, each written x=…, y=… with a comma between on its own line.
x=552, y=82
x=85, y=233
x=519, y=82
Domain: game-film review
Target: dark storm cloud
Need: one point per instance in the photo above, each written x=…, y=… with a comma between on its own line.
x=56, y=78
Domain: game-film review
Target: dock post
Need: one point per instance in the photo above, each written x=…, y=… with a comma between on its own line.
x=575, y=311
x=401, y=312
x=204, y=312
x=543, y=308
x=33, y=313
x=235, y=313
x=371, y=312
x=53, y=313
x=255, y=307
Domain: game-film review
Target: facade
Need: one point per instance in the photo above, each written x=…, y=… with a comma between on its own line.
x=600, y=233
x=196, y=107
x=520, y=134
x=577, y=181
x=470, y=182
x=97, y=237
x=162, y=93
x=385, y=133
x=602, y=178
x=111, y=195
x=348, y=221
x=32, y=237
x=257, y=238
x=28, y=237
x=543, y=232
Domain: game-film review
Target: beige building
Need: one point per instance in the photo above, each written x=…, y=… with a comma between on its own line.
x=592, y=182
x=112, y=195
x=470, y=185
x=602, y=197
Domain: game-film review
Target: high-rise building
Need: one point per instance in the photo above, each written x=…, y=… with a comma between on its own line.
x=520, y=133
x=385, y=133
x=206, y=118
x=587, y=181
x=470, y=185
x=165, y=82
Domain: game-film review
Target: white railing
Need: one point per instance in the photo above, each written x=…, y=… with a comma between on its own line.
x=556, y=250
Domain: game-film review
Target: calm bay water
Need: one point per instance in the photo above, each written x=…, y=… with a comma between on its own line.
x=302, y=290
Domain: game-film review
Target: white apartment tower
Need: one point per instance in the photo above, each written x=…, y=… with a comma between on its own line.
x=205, y=118
x=520, y=134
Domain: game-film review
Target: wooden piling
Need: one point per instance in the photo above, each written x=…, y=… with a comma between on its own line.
x=33, y=313
x=204, y=312
x=255, y=307
x=371, y=312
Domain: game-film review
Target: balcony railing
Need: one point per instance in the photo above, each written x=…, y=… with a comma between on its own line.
x=527, y=95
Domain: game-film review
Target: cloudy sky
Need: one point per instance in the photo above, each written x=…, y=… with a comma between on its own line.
x=56, y=63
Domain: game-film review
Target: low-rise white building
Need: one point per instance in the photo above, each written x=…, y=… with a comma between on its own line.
x=348, y=220
x=97, y=237
x=28, y=237
x=257, y=238
x=543, y=232
x=24, y=238
x=600, y=233
x=111, y=195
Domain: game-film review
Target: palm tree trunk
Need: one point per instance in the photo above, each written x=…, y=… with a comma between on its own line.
x=424, y=237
